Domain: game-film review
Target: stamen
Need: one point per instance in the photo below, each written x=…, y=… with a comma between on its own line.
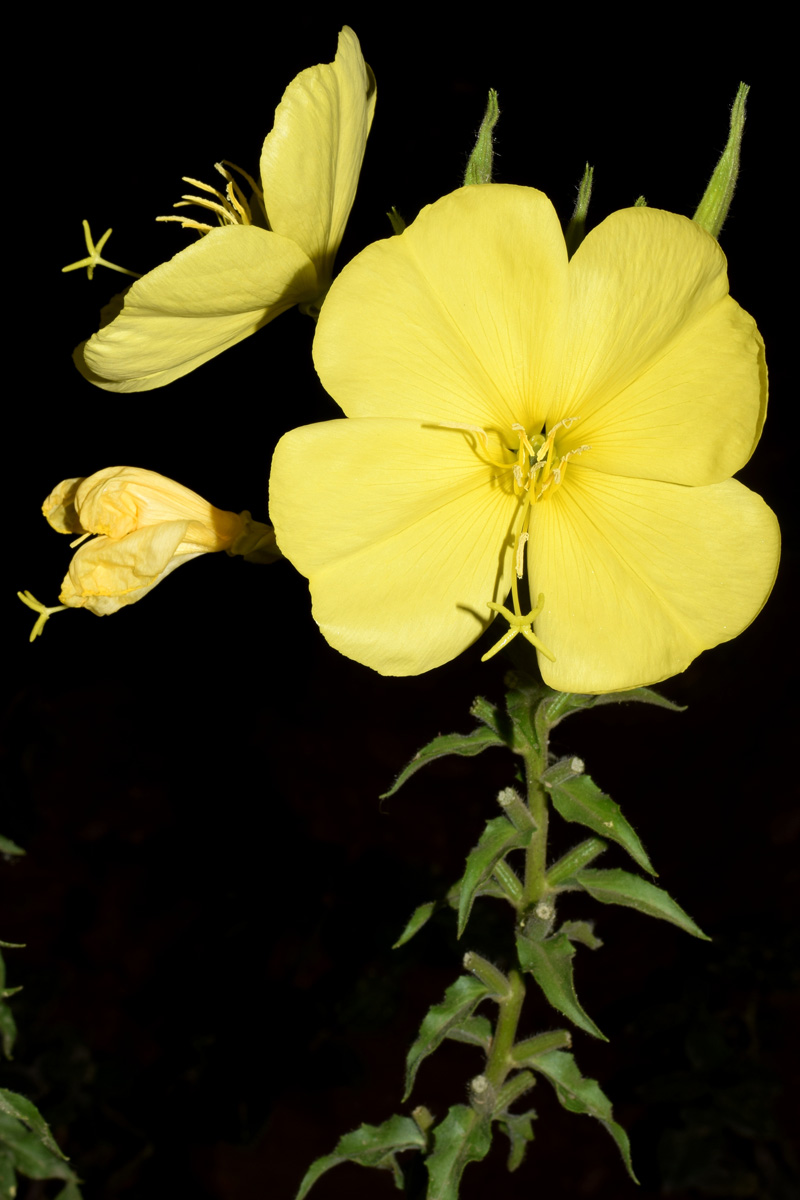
x=80, y=539
x=523, y=537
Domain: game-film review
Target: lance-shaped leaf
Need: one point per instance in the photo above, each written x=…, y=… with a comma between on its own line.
x=620, y=887
x=418, y=918
x=460, y=1000
x=463, y=1137
x=498, y=837
x=581, y=1095
x=519, y=1129
x=475, y=1031
x=20, y=1107
x=9, y=847
x=369, y=1146
x=465, y=744
x=550, y=963
x=557, y=705
x=70, y=1191
x=28, y=1154
x=580, y=799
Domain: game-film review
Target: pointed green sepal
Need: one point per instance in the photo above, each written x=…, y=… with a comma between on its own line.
x=580, y=1095
x=418, y=918
x=460, y=1001
x=396, y=221
x=463, y=1137
x=479, y=165
x=465, y=744
x=576, y=230
x=620, y=887
x=640, y=202
x=369, y=1146
x=550, y=964
x=497, y=839
x=713, y=208
x=578, y=798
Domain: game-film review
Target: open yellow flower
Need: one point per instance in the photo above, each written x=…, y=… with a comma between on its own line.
x=504, y=401
x=265, y=257
x=146, y=525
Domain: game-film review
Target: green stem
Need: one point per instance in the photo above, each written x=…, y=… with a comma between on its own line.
x=535, y=884
x=500, y=1061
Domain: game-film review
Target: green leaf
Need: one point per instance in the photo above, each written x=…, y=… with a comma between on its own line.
x=580, y=1095
x=475, y=1031
x=19, y=1106
x=583, y=932
x=558, y=705
x=27, y=1153
x=580, y=799
x=8, y=1177
x=520, y=705
x=519, y=1129
x=463, y=1137
x=460, y=1000
x=418, y=918
x=620, y=887
x=369, y=1146
x=465, y=744
x=8, y=1030
x=550, y=963
x=70, y=1191
x=9, y=847
x=498, y=837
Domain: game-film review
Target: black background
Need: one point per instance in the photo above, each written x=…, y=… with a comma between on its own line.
x=211, y=885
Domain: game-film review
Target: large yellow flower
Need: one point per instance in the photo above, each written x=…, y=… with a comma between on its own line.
x=269, y=254
x=505, y=401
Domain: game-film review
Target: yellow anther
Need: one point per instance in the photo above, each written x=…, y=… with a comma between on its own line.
x=93, y=258
x=518, y=624
x=38, y=607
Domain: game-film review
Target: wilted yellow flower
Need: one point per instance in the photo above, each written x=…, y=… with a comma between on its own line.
x=145, y=525
x=270, y=253
x=503, y=402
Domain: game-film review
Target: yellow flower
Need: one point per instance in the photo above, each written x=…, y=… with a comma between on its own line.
x=503, y=401
x=264, y=259
x=145, y=525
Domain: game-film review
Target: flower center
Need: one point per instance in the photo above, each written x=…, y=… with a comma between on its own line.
x=230, y=207
x=538, y=471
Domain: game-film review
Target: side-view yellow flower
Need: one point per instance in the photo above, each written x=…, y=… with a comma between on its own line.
x=267, y=255
x=505, y=402
x=145, y=525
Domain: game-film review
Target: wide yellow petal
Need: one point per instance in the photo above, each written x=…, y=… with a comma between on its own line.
x=311, y=160
x=664, y=370
x=117, y=500
x=458, y=319
x=402, y=534
x=108, y=573
x=208, y=297
x=641, y=576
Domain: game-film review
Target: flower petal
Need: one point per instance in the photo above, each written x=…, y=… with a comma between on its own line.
x=401, y=532
x=117, y=500
x=640, y=576
x=665, y=371
x=108, y=573
x=205, y=299
x=458, y=319
x=311, y=160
